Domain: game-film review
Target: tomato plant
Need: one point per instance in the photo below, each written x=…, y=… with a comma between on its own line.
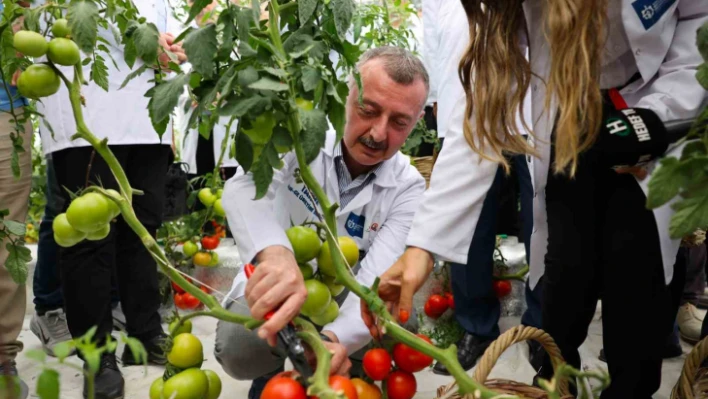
x=186, y=351
x=156, y=388
x=202, y=258
x=325, y=263
x=501, y=288
x=186, y=301
x=190, y=248
x=318, y=298
x=207, y=197
x=377, y=364
x=60, y=28
x=401, y=385
x=305, y=242
x=307, y=271
x=409, y=359
x=185, y=327
x=210, y=242
x=30, y=43
x=89, y=212
x=214, y=389
x=365, y=390
x=328, y=316
x=99, y=234
x=38, y=81
x=64, y=233
x=283, y=386
x=63, y=52
x=188, y=384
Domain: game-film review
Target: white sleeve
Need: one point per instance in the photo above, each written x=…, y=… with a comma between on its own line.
x=387, y=247
x=431, y=44
x=253, y=223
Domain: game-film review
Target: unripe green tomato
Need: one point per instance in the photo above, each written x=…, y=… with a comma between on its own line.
x=156, y=388
x=60, y=28
x=218, y=208
x=37, y=81
x=99, y=234
x=29, y=43
x=64, y=52
x=190, y=248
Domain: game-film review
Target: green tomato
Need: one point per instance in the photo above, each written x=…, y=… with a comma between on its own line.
x=90, y=212
x=115, y=210
x=218, y=208
x=307, y=271
x=186, y=327
x=186, y=352
x=261, y=129
x=219, y=192
x=214, y=385
x=64, y=233
x=305, y=242
x=99, y=234
x=30, y=43
x=189, y=384
x=330, y=282
x=64, y=52
x=37, y=81
x=156, y=388
x=304, y=104
x=206, y=197
x=190, y=248
x=214, y=259
x=325, y=264
x=318, y=298
x=60, y=28
x=329, y=315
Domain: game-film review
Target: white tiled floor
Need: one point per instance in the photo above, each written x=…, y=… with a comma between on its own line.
x=512, y=365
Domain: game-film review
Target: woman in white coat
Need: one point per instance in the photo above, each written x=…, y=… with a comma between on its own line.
x=592, y=232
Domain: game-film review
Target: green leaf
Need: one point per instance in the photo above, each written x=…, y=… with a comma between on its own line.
x=245, y=50
x=243, y=106
x=702, y=75
x=130, y=54
x=262, y=176
x=146, y=39
x=196, y=8
x=244, y=150
x=83, y=22
x=272, y=156
x=16, y=263
x=48, y=384
x=165, y=97
x=313, y=135
x=62, y=350
x=99, y=72
x=134, y=75
x=279, y=73
x=268, y=84
x=200, y=47
x=247, y=76
x=305, y=9
x=343, y=14
x=245, y=18
x=691, y=214
x=665, y=183
x=310, y=78
x=702, y=41
x=281, y=137
x=338, y=118
x=136, y=347
x=15, y=228
x=37, y=355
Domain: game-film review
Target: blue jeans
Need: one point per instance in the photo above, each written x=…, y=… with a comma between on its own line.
x=477, y=308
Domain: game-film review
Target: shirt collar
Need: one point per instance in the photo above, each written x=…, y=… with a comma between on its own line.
x=338, y=156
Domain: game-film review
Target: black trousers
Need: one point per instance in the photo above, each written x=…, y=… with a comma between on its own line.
x=603, y=244
x=87, y=267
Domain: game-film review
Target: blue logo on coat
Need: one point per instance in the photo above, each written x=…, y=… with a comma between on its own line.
x=355, y=225
x=651, y=11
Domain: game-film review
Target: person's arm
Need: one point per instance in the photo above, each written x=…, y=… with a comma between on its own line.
x=431, y=44
x=389, y=243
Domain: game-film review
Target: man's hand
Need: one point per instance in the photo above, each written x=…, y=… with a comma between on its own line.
x=340, y=363
x=15, y=77
x=398, y=285
x=167, y=43
x=276, y=285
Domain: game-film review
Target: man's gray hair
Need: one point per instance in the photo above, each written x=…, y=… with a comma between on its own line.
x=401, y=65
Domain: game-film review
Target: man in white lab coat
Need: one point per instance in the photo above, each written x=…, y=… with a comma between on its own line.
x=86, y=269
x=378, y=191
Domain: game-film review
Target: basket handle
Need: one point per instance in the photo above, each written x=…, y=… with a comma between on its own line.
x=684, y=386
x=511, y=337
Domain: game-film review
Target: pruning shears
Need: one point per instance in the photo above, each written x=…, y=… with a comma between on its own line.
x=288, y=337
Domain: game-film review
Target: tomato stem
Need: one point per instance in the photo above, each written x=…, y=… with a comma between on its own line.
x=319, y=382
x=519, y=276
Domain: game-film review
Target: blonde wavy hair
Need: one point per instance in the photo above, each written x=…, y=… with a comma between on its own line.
x=496, y=75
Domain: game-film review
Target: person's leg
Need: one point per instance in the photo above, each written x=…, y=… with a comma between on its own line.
x=14, y=197
x=136, y=270
x=49, y=321
x=633, y=278
x=476, y=306
x=689, y=319
x=243, y=355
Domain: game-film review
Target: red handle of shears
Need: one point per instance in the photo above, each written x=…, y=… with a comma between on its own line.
x=249, y=269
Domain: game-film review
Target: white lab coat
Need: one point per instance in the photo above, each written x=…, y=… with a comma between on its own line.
x=667, y=58
x=119, y=115
x=378, y=219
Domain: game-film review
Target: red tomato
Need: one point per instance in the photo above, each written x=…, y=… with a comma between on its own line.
x=189, y=301
x=210, y=242
x=502, y=288
x=340, y=384
x=401, y=385
x=409, y=359
x=450, y=300
x=205, y=290
x=177, y=288
x=283, y=386
x=437, y=304
x=377, y=364
x=179, y=302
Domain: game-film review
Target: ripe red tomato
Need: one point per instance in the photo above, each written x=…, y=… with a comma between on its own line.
x=409, y=359
x=502, y=288
x=377, y=364
x=450, y=300
x=340, y=384
x=179, y=302
x=283, y=386
x=177, y=288
x=438, y=304
x=401, y=385
x=186, y=301
x=210, y=242
x=205, y=290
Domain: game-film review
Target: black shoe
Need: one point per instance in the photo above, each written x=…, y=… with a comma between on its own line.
x=153, y=347
x=669, y=352
x=536, y=354
x=469, y=349
x=108, y=382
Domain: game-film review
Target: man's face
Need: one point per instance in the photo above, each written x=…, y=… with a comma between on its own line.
x=377, y=128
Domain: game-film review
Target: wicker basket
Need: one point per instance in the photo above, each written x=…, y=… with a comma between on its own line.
x=425, y=167
x=492, y=354
x=693, y=382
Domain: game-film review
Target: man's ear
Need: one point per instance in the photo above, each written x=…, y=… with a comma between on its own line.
x=422, y=114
